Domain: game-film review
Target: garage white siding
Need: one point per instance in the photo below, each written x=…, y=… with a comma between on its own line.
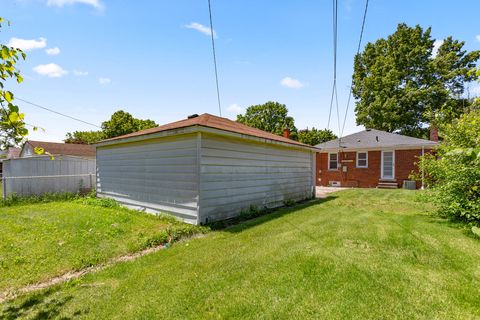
x=237, y=173
x=158, y=175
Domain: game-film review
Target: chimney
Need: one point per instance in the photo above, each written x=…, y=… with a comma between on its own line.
x=434, y=133
x=286, y=133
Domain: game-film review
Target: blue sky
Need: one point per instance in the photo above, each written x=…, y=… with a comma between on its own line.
x=154, y=60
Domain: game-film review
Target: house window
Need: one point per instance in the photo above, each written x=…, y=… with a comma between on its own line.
x=362, y=159
x=332, y=161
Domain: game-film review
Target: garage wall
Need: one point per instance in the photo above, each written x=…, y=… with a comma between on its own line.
x=236, y=173
x=158, y=175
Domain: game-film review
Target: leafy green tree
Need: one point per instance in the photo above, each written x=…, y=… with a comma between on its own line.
x=271, y=117
x=314, y=136
x=12, y=124
x=401, y=86
x=84, y=137
x=122, y=123
x=454, y=171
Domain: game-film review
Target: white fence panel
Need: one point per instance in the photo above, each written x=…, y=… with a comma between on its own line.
x=38, y=175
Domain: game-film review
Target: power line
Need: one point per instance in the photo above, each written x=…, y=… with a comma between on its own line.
x=334, y=86
x=214, y=57
x=358, y=51
x=56, y=112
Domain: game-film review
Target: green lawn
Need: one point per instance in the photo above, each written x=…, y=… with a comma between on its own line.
x=39, y=241
x=364, y=254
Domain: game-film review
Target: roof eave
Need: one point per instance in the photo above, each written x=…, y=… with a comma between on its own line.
x=199, y=128
x=394, y=147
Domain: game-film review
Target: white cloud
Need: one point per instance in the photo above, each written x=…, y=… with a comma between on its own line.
x=50, y=70
x=52, y=51
x=477, y=37
x=201, y=28
x=79, y=73
x=235, y=109
x=436, y=45
x=27, y=44
x=291, y=83
x=104, y=81
x=60, y=3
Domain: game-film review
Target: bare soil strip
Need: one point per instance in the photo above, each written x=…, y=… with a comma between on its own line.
x=10, y=295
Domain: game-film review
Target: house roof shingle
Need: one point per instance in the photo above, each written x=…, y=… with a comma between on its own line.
x=371, y=139
x=70, y=149
x=211, y=121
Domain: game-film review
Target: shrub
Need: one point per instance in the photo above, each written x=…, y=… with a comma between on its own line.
x=454, y=172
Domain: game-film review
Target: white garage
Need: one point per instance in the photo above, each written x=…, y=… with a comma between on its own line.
x=204, y=168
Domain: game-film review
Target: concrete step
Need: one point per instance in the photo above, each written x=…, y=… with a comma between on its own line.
x=387, y=185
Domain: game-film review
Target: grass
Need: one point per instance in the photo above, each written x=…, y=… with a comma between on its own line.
x=42, y=240
x=360, y=254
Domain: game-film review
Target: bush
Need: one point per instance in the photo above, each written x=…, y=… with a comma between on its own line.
x=454, y=172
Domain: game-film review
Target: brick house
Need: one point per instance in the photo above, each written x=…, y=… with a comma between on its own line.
x=370, y=158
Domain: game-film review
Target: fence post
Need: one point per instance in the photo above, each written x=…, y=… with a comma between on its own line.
x=4, y=187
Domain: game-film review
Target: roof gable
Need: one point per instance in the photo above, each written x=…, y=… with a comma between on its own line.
x=211, y=121
x=371, y=139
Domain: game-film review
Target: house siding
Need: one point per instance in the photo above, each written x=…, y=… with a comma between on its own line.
x=405, y=163
x=236, y=173
x=157, y=175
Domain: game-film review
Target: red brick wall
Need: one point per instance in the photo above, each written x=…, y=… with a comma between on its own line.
x=366, y=177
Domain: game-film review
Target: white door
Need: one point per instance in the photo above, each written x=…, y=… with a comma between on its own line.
x=388, y=164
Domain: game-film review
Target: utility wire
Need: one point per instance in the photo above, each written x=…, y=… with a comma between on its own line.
x=334, y=86
x=358, y=51
x=53, y=111
x=214, y=57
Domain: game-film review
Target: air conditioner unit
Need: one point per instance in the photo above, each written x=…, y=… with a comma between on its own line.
x=334, y=183
x=409, y=184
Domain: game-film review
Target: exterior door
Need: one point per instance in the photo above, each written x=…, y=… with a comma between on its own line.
x=388, y=164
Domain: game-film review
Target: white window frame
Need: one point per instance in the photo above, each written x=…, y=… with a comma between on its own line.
x=393, y=165
x=366, y=159
x=332, y=169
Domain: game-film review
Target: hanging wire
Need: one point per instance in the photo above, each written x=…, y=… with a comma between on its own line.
x=56, y=112
x=358, y=51
x=334, y=27
x=334, y=97
x=214, y=57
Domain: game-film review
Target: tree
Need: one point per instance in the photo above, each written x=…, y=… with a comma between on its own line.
x=454, y=171
x=271, y=117
x=122, y=123
x=401, y=86
x=314, y=136
x=12, y=124
x=84, y=137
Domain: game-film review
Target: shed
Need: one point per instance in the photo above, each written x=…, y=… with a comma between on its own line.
x=204, y=168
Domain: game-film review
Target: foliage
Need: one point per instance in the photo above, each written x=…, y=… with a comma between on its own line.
x=454, y=172
x=271, y=117
x=401, y=86
x=12, y=124
x=13, y=200
x=84, y=137
x=314, y=136
x=122, y=123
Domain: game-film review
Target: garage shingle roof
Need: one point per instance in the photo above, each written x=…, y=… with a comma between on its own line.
x=211, y=121
x=66, y=149
x=371, y=139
